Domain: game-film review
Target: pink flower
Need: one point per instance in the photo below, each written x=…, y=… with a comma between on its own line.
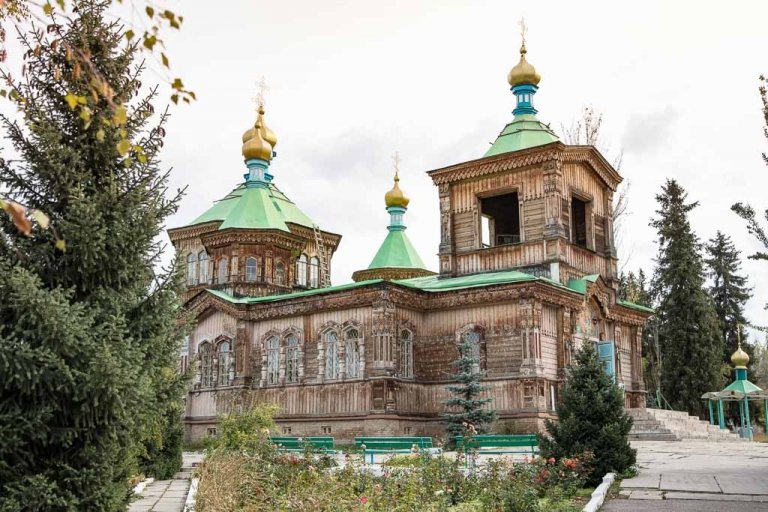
x=551, y=460
x=363, y=500
x=569, y=463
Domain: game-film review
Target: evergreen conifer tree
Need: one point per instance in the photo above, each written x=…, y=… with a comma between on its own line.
x=688, y=330
x=89, y=338
x=591, y=418
x=729, y=291
x=468, y=408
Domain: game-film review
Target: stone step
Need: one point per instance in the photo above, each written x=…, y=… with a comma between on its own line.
x=658, y=424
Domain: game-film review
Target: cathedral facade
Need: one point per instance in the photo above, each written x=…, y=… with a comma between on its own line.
x=527, y=273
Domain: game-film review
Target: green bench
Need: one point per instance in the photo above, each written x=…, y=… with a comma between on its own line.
x=297, y=444
x=520, y=443
x=375, y=445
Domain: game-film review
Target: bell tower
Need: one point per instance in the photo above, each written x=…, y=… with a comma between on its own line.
x=531, y=203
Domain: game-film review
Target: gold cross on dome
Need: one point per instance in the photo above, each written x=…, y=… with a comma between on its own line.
x=523, y=29
x=263, y=88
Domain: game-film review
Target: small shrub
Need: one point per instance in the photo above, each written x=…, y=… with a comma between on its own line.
x=591, y=419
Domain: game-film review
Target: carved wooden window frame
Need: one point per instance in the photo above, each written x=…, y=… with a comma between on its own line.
x=355, y=358
x=206, y=357
x=406, y=353
x=481, y=343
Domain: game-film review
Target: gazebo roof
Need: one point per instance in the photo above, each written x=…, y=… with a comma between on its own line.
x=737, y=390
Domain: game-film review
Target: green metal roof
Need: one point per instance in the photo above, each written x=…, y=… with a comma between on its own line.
x=437, y=284
x=525, y=131
x=295, y=295
x=430, y=284
x=397, y=251
x=632, y=305
x=427, y=284
x=580, y=286
x=256, y=208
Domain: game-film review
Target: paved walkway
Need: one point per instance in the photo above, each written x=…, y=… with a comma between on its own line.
x=697, y=476
x=167, y=495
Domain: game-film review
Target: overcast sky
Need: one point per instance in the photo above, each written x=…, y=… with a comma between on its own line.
x=353, y=81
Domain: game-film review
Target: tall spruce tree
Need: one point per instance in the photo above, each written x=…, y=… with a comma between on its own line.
x=591, y=418
x=88, y=335
x=688, y=332
x=466, y=406
x=746, y=211
x=729, y=291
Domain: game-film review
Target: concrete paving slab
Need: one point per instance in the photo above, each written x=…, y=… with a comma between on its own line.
x=688, y=482
x=743, y=484
x=707, y=496
x=682, y=506
x=646, y=495
x=643, y=481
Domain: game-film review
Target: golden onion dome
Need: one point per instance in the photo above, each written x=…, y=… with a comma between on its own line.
x=395, y=197
x=740, y=359
x=255, y=144
x=266, y=133
x=523, y=72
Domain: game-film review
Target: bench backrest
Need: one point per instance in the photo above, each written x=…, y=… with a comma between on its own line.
x=499, y=441
x=300, y=442
x=393, y=443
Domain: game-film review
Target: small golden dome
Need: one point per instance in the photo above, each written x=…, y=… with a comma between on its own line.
x=395, y=197
x=740, y=359
x=523, y=72
x=259, y=141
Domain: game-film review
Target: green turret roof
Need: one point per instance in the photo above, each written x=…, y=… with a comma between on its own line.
x=256, y=208
x=525, y=131
x=397, y=251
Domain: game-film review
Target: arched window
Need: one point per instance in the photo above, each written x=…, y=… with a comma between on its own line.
x=273, y=359
x=301, y=270
x=352, y=353
x=292, y=355
x=223, y=270
x=250, y=269
x=279, y=273
x=314, y=272
x=202, y=258
x=191, y=269
x=224, y=367
x=331, y=355
x=205, y=352
x=473, y=338
x=406, y=354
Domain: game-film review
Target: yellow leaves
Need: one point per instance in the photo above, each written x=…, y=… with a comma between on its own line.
x=42, y=219
x=129, y=34
x=150, y=11
x=100, y=135
x=177, y=84
x=61, y=245
x=73, y=100
x=150, y=41
x=164, y=59
x=123, y=147
x=47, y=9
x=121, y=116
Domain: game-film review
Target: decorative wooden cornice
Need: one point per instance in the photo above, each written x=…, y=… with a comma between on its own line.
x=498, y=163
x=331, y=240
x=390, y=273
x=182, y=233
x=555, y=151
x=591, y=156
x=273, y=237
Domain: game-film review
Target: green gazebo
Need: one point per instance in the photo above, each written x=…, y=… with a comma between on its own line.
x=741, y=391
